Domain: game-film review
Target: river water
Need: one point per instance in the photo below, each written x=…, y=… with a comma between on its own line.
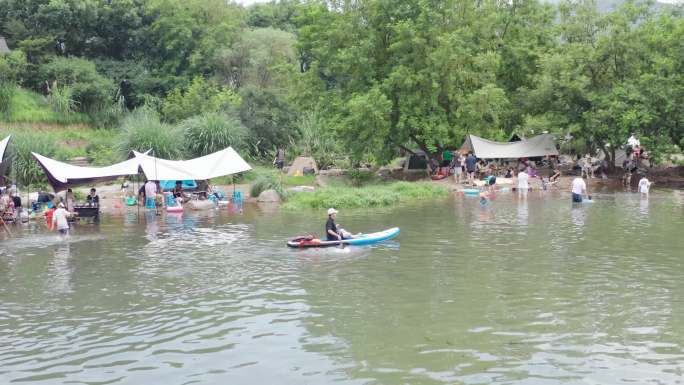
x=518, y=291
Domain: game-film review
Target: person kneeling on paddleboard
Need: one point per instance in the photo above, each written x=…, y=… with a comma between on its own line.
x=331, y=230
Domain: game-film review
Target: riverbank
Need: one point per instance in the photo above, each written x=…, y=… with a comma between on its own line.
x=324, y=192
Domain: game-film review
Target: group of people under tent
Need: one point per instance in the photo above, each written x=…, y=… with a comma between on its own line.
x=150, y=194
x=466, y=168
x=62, y=210
x=10, y=204
x=57, y=209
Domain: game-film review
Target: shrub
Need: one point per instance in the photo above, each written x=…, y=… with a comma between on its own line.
x=358, y=177
x=211, y=132
x=101, y=148
x=90, y=89
x=12, y=67
x=266, y=182
x=142, y=130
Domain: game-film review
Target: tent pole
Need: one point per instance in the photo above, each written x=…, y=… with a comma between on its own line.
x=137, y=194
x=156, y=212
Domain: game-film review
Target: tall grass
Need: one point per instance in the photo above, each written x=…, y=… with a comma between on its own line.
x=316, y=140
x=62, y=100
x=7, y=91
x=211, y=132
x=142, y=130
x=108, y=115
x=369, y=196
x=266, y=182
x=24, y=168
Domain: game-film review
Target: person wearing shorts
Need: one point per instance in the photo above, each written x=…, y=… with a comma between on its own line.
x=457, y=169
x=471, y=167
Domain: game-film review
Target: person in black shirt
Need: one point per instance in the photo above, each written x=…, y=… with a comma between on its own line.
x=92, y=198
x=16, y=200
x=331, y=228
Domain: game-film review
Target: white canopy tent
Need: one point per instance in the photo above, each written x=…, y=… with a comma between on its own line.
x=541, y=145
x=3, y=162
x=221, y=163
x=3, y=147
x=62, y=175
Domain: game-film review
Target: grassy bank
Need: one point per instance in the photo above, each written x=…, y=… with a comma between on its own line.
x=377, y=195
x=30, y=107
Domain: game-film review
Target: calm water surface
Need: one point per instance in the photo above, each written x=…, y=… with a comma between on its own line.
x=519, y=291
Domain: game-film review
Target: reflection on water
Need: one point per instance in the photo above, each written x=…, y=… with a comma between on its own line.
x=522, y=290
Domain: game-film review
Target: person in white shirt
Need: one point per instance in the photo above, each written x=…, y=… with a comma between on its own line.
x=59, y=218
x=150, y=193
x=633, y=141
x=644, y=185
x=523, y=181
x=578, y=188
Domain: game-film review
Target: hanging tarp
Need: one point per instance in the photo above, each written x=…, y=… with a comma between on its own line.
x=221, y=163
x=541, y=145
x=3, y=162
x=3, y=147
x=62, y=175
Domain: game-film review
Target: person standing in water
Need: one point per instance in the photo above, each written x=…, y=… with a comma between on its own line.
x=471, y=167
x=578, y=188
x=644, y=185
x=523, y=181
x=70, y=199
x=457, y=168
x=59, y=218
x=150, y=194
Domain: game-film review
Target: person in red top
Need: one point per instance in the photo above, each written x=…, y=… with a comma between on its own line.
x=48, y=216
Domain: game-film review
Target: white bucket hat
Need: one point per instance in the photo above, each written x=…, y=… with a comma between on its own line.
x=332, y=211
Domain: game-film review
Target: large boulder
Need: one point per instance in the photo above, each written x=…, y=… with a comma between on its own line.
x=302, y=164
x=269, y=196
x=201, y=205
x=300, y=189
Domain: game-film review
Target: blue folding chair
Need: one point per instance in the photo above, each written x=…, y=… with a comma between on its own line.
x=237, y=197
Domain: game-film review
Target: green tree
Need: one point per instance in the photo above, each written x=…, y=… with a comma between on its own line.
x=200, y=97
x=269, y=118
x=185, y=34
x=263, y=57
x=606, y=79
x=439, y=66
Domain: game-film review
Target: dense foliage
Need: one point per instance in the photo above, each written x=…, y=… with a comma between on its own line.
x=340, y=79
